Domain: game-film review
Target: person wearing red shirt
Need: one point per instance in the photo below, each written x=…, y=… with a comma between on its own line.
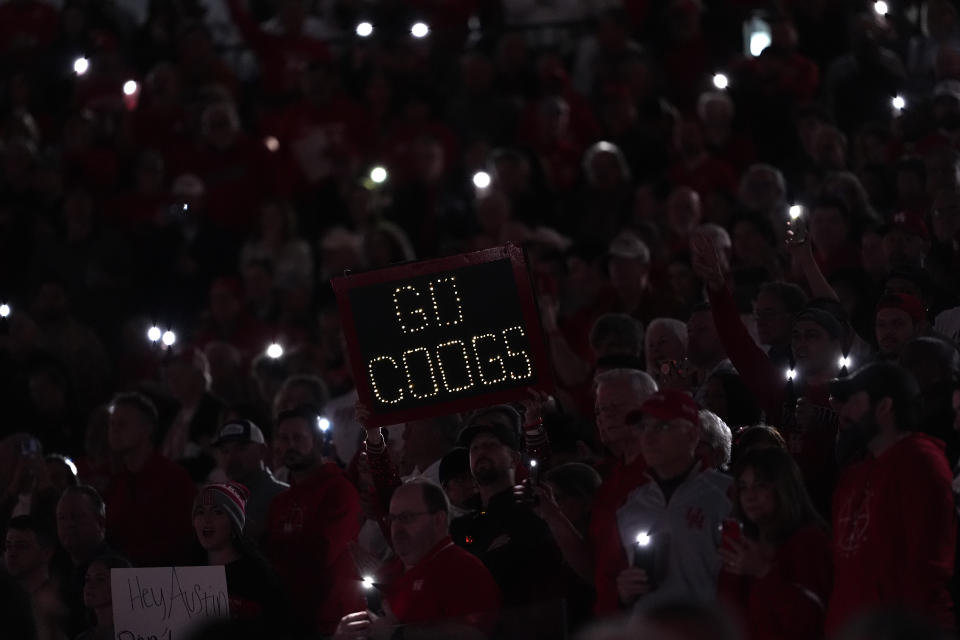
x=433, y=589
x=620, y=392
x=894, y=522
x=795, y=401
x=310, y=527
x=148, y=499
x=777, y=573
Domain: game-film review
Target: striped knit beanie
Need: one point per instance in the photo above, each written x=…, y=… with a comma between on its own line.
x=229, y=496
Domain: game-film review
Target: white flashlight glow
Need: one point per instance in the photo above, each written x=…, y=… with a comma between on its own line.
x=271, y=143
x=275, y=351
x=324, y=425
x=419, y=30
x=367, y=582
x=154, y=334
x=721, y=81
x=881, y=8
x=81, y=65
x=130, y=87
x=643, y=538
x=791, y=374
x=533, y=463
x=4, y=311
x=168, y=338
x=898, y=103
x=481, y=180
x=795, y=211
x=364, y=29
x=844, y=361
x=378, y=175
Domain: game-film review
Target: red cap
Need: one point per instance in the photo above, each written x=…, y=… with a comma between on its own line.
x=668, y=404
x=911, y=305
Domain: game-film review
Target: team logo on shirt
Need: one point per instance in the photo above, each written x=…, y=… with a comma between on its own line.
x=853, y=521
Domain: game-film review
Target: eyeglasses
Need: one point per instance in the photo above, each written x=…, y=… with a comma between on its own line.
x=404, y=518
x=656, y=427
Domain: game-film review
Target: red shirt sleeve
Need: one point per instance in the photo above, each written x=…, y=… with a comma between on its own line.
x=609, y=561
x=753, y=365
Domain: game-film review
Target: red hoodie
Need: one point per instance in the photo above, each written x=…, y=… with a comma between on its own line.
x=309, y=530
x=894, y=529
x=789, y=603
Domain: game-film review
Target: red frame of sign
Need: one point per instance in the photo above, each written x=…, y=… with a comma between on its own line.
x=531, y=318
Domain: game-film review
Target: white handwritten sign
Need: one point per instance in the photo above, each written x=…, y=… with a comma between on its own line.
x=165, y=603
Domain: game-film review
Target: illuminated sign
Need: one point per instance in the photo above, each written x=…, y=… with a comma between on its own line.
x=442, y=336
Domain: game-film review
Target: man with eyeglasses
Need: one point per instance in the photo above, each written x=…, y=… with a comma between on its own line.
x=674, y=517
x=433, y=589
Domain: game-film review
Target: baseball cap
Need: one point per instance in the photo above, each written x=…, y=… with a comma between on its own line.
x=628, y=245
x=823, y=318
x=911, y=305
x=455, y=463
x=879, y=380
x=484, y=422
x=239, y=431
x=668, y=404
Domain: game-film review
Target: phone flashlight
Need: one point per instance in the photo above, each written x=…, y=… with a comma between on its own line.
x=364, y=29
x=881, y=8
x=419, y=30
x=731, y=533
x=378, y=175
x=757, y=35
x=372, y=595
x=534, y=472
x=644, y=555
x=154, y=334
x=481, y=180
x=5, y=310
x=323, y=424
x=721, y=81
x=898, y=103
x=275, y=351
x=796, y=225
x=844, y=362
x=169, y=338
x=791, y=374
x=130, y=87
x=81, y=65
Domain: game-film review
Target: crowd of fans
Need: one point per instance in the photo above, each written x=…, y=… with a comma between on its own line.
x=742, y=222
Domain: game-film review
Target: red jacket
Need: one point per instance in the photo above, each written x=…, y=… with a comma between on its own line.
x=448, y=584
x=894, y=529
x=608, y=557
x=309, y=529
x=149, y=513
x=789, y=603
